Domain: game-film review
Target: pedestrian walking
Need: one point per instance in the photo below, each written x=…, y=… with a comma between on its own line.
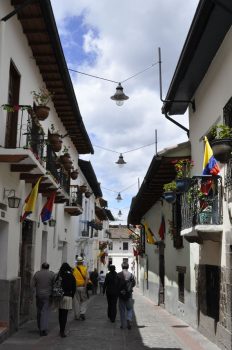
x=42, y=283
x=94, y=279
x=80, y=299
x=126, y=284
x=110, y=286
x=101, y=280
x=68, y=284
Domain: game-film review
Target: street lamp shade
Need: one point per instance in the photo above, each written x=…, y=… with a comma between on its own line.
x=120, y=213
x=119, y=97
x=119, y=198
x=120, y=160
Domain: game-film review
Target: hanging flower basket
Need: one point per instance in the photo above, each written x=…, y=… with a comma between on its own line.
x=65, y=158
x=41, y=112
x=83, y=188
x=68, y=165
x=88, y=194
x=56, y=146
x=74, y=174
x=222, y=149
x=170, y=196
x=183, y=185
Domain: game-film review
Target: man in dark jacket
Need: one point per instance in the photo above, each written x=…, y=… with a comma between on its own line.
x=111, y=288
x=42, y=282
x=94, y=279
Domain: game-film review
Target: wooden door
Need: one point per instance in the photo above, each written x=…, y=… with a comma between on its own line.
x=13, y=100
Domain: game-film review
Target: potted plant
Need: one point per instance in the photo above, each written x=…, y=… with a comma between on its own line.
x=65, y=158
x=88, y=194
x=55, y=140
x=83, y=188
x=222, y=142
x=74, y=174
x=183, y=170
x=41, y=98
x=170, y=192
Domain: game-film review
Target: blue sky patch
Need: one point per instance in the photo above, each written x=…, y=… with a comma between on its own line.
x=72, y=39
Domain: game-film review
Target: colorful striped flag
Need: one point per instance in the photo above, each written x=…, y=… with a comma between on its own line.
x=46, y=212
x=210, y=165
x=30, y=201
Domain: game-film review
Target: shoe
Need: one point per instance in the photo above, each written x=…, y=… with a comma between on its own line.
x=43, y=333
x=128, y=324
x=82, y=317
x=63, y=335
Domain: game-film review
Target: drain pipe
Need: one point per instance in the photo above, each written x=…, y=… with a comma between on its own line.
x=163, y=112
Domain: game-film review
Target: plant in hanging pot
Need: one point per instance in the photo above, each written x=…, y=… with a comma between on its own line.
x=65, y=158
x=88, y=194
x=74, y=174
x=41, y=98
x=170, y=192
x=54, y=139
x=222, y=142
x=183, y=172
x=83, y=188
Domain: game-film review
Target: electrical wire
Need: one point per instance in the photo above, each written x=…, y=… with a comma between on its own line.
x=108, y=189
x=135, y=149
x=113, y=81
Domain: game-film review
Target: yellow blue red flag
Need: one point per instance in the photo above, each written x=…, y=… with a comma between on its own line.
x=210, y=165
x=30, y=201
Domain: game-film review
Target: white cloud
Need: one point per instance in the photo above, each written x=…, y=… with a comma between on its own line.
x=124, y=37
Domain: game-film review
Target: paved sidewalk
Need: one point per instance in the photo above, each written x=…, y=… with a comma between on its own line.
x=153, y=328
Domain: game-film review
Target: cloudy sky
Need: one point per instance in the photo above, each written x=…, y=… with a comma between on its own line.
x=115, y=40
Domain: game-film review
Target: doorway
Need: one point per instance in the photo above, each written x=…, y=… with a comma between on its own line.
x=13, y=100
x=161, y=274
x=26, y=269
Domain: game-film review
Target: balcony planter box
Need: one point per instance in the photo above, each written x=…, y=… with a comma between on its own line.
x=183, y=185
x=41, y=112
x=222, y=149
x=170, y=196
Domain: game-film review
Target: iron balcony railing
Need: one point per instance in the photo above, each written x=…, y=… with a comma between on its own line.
x=59, y=174
x=228, y=175
x=76, y=197
x=202, y=204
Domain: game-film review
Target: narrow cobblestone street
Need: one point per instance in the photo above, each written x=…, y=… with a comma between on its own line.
x=153, y=328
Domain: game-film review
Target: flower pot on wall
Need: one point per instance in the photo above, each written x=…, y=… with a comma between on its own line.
x=183, y=185
x=65, y=158
x=83, y=188
x=42, y=112
x=88, y=194
x=222, y=149
x=74, y=174
x=170, y=196
x=56, y=147
x=68, y=165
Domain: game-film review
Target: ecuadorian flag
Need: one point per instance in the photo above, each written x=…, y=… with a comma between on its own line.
x=210, y=165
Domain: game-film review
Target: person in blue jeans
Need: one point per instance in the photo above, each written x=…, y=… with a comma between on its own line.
x=126, y=284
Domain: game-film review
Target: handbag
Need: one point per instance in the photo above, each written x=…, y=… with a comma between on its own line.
x=57, y=290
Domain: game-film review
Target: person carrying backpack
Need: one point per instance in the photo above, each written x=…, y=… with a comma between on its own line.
x=126, y=284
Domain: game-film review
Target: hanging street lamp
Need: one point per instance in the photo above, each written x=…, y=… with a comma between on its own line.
x=120, y=160
x=119, y=198
x=119, y=97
